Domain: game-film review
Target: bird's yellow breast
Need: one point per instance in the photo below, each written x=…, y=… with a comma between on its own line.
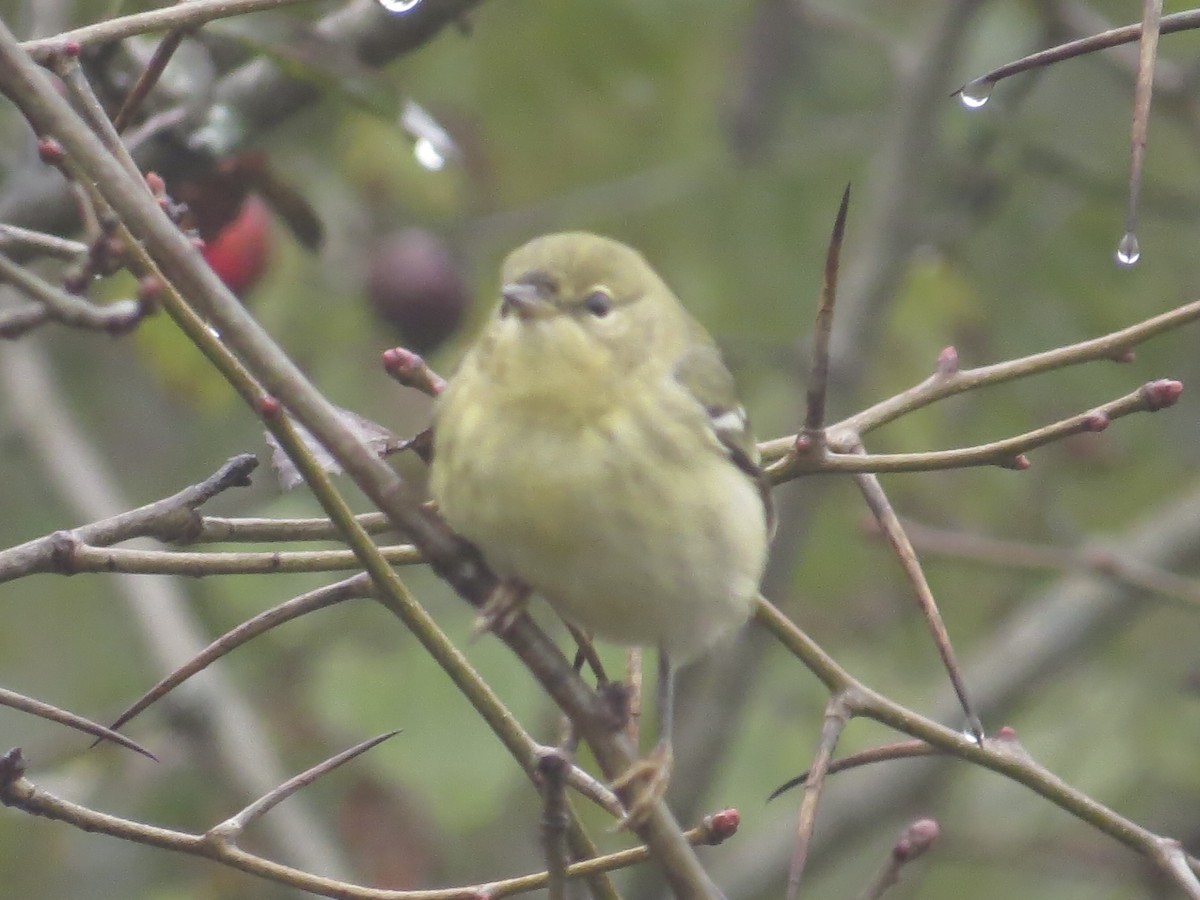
x=608, y=495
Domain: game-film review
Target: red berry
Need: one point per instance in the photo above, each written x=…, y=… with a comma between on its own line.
x=241, y=251
x=414, y=284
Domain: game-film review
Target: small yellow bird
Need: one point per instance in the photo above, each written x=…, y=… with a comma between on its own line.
x=592, y=446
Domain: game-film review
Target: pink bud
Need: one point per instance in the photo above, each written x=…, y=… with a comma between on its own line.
x=916, y=839
x=50, y=151
x=724, y=824
x=947, y=361
x=269, y=407
x=1162, y=393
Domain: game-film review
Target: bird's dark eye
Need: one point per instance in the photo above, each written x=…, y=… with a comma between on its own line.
x=598, y=303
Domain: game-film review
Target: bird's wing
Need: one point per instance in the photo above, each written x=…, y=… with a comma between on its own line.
x=702, y=372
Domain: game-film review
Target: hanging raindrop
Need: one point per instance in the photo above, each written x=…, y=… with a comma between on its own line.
x=1128, y=249
x=427, y=155
x=399, y=6
x=976, y=93
x=432, y=145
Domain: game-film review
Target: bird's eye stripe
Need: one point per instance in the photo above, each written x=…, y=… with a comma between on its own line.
x=543, y=281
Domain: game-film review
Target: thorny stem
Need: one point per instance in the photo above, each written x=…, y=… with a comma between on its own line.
x=947, y=383
x=19, y=792
x=1001, y=754
x=818, y=379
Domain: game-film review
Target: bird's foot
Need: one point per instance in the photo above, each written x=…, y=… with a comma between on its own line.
x=502, y=608
x=653, y=774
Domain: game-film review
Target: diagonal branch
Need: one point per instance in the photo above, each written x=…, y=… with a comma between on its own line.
x=13, y=700
x=881, y=508
x=349, y=589
x=231, y=829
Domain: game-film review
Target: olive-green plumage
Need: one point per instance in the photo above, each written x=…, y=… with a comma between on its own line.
x=592, y=445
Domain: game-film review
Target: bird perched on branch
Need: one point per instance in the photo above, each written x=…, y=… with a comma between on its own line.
x=592, y=446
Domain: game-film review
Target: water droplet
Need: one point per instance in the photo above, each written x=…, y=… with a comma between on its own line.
x=1128, y=249
x=399, y=6
x=433, y=146
x=976, y=93
x=427, y=155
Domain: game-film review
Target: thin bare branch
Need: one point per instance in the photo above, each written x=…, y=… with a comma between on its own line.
x=231, y=829
x=1172, y=858
x=1107, y=563
x=881, y=508
x=351, y=588
x=55, y=714
x=55, y=304
x=915, y=840
x=149, y=78
x=947, y=381
x=40, y=243
x=181, y=15
x=552, y=767
x=1006, y=453
x=411, y=370
x=884, y=753
x=634, y=678
x=1126, y=34
x=1128, y=251
x=215, y=529
x=66, y=66
x=838, y=711
x=172, y=518
x=17, y=791
x=71, y=558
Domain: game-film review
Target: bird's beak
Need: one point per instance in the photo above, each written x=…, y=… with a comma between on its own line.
x=521, y=300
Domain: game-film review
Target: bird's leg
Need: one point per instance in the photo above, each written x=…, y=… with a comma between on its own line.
x=653, y=771
x=506, y=602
